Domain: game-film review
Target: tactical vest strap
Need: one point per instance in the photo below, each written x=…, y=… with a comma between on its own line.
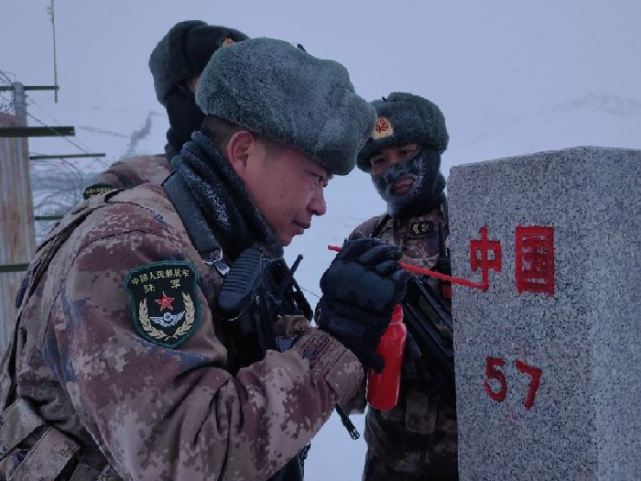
x=19, y=421
x=84, y=472
x=48, y=457
x=52, y=451
x=376, y=231
x=195, y=223
x=445, y=212
x=39, y=265
x=107, y=474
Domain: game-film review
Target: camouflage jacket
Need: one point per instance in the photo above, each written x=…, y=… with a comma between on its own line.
x=90, y=386
x=418, y=438
x=125, y=174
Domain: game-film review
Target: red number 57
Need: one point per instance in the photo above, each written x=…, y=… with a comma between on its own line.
x=493, y=372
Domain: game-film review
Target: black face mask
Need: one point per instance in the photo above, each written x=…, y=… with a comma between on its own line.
x=425, y=194
x=185, y=116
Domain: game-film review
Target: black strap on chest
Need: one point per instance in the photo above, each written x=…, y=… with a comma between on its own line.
x=427, y=312
x=429, y=323
x=378, y=228
x=195, y=223
x=253, y=293
x=443, y=233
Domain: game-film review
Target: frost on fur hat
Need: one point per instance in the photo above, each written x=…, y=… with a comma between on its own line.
x=184, y=52
x=404, y=118
x=287, y=95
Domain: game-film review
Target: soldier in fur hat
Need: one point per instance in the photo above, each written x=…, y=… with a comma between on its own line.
x=417, y=440
x=159, y=337
x=175, y=64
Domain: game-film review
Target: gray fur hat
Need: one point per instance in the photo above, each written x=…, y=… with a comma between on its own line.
x=184, y=52
x=404, y=119
x=285, y=94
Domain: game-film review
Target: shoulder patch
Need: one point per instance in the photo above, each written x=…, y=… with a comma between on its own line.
x=164, y=303
x=96, y=189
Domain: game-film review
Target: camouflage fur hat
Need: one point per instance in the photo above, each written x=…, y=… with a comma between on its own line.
x=404, y=119
x=287, y=95
x=184, y=52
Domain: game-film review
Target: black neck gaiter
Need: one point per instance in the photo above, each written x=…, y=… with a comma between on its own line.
x=221, y=195
x=185, y=117
x=173, y=145
x=427, y=191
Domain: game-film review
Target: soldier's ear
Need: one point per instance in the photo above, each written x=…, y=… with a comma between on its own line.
x=239, y=150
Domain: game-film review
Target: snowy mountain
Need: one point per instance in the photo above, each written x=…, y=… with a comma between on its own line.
x=603, y=103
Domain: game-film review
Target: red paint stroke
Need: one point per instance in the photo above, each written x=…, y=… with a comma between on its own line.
x=535, y=374
x=493, y=371
x=427, y=272
x=486, y=255
x=534, y=258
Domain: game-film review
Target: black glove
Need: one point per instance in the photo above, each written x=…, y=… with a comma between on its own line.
x=360, y=289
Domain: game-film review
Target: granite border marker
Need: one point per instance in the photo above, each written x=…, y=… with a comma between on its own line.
x=548, y=357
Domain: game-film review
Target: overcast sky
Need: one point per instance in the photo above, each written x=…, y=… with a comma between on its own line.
x=511, y=76
x=494, y=61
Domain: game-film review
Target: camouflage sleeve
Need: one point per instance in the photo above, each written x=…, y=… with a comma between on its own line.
x=176, y=413
x=358, y=402
x=125, y=174
x=366, y=228
x=119, y=175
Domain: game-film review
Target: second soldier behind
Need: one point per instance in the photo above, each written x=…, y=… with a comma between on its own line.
x=417, y=440
x=175, y=64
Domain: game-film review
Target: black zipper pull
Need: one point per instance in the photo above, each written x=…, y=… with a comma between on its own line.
x=347, y=422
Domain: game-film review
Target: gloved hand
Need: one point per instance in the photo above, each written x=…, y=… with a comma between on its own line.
x=360, y=289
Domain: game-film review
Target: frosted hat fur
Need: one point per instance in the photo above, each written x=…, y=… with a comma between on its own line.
x=287, y=95
x=404, y=119
x=184, y=52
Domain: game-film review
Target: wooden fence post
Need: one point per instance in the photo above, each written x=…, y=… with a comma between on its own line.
x=17, y=235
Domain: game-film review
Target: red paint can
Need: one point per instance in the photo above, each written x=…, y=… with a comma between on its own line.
x=383, y=388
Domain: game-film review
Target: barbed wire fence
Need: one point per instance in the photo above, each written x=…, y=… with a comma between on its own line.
x=57, y=184
x=7, y=105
